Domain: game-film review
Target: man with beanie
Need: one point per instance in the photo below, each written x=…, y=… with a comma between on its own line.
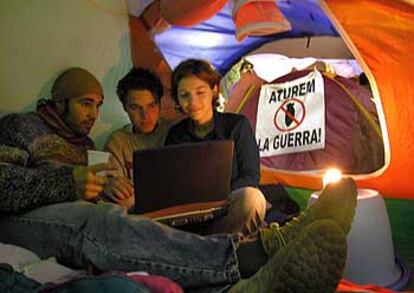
x=54, y=139
x=42, y=182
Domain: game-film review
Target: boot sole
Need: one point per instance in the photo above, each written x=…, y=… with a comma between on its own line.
x=313, y=262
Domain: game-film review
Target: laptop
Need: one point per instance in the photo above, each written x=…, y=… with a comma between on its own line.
x=183, y=184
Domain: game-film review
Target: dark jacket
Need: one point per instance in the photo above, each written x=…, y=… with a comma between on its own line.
x=227, y=126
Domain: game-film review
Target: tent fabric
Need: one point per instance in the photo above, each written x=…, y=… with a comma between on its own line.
x=348, y=68
x=189, y=13
x=258, y=18
x=152, y=19
x=351, y=144
x=385, y=50
x=141, y=41
x=243, y=90
x=214, y=39
x=347, y=286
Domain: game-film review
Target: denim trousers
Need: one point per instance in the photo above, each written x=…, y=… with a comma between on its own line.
x=80, y=233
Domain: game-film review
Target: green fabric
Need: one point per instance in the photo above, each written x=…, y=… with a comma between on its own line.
x=300, y=196
x=401, y=215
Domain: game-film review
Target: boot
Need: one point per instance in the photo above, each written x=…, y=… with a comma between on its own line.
x=311, y=262
x=336, y=202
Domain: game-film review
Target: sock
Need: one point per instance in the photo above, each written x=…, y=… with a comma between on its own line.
x=251, y=257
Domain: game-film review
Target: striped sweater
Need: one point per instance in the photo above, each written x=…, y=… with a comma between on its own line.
x=35, y=164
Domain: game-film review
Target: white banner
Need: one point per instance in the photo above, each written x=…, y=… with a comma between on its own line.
x=291, y=116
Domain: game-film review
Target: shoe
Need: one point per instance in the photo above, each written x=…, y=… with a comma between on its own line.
x=312, y=262
x=336, y=202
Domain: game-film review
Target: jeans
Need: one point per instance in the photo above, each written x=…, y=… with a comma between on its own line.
x=79, y=234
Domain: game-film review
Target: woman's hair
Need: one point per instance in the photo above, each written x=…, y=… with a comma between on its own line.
x=197, y=68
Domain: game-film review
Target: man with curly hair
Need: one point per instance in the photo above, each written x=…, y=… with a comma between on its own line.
x=140, y=92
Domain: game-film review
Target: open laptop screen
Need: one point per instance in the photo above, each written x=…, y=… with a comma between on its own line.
x=182, y=174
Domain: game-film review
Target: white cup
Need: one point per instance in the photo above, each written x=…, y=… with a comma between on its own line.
x=98, y=157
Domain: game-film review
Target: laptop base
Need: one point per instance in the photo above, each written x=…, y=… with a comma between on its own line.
x=195, y=219
x=189, y=213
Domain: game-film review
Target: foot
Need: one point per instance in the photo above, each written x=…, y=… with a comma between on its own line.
x=312, y=262
x=337, y=202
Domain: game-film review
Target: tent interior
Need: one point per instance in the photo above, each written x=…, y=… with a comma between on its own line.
x=341, y=38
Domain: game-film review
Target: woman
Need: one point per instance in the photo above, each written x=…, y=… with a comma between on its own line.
x=194, y=86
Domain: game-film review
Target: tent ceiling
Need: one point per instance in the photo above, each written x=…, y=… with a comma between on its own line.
x=214, y=39
x=322, y=47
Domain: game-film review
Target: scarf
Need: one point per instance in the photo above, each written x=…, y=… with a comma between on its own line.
x=50, y=116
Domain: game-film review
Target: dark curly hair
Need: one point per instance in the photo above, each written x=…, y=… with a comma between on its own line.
x=198, y=68
x=139, y=78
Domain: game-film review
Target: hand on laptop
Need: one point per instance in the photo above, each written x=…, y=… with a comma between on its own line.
x=120, y=190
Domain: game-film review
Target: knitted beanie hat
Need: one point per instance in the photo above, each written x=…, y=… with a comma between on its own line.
x=73, y=83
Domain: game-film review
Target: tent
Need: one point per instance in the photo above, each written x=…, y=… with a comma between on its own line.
x=348, y=137
x=42, y=37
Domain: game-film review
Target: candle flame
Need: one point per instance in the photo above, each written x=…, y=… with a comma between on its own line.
x=332, y=175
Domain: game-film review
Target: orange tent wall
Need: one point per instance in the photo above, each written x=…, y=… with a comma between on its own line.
x=381, y=35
